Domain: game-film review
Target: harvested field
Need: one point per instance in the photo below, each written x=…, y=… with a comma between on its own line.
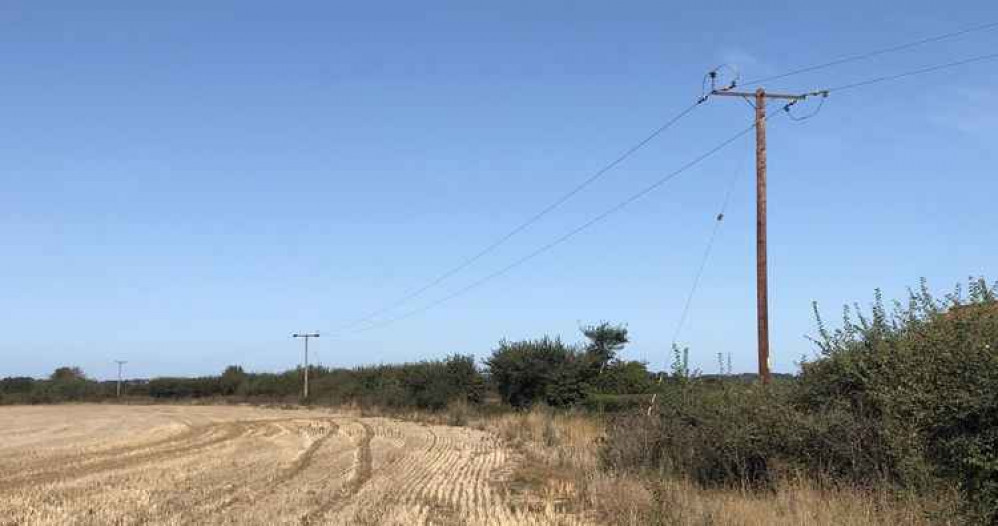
x=104, y=464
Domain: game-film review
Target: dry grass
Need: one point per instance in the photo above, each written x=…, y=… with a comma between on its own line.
x=561, y=472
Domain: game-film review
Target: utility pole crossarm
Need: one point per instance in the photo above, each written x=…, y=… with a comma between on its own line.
x=725, y=93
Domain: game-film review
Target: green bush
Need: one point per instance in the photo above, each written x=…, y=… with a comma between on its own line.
x=906, y=397
x=429, y=384
x=173, y=387
x=16, y=384
x=736, y=434
x=233, y=380
x=550, y=372
x=65, y=384
x=615, y=403
x=434, y=385
x=623, y=378
x=927, y=373
x=533, y=371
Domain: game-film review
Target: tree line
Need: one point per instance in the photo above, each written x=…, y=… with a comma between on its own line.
x=517, y=373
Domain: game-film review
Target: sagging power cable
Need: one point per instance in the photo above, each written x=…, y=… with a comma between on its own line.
x=525, y=224
x=874, y=53
x=568, y=235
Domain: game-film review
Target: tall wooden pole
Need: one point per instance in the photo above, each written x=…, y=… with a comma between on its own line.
x=761, y=268
x=305, y=388
x=118, y=385
x=306, y=335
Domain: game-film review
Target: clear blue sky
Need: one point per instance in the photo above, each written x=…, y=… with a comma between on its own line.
x=185, y=185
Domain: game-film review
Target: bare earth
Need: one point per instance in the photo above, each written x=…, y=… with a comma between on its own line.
x=104, y=464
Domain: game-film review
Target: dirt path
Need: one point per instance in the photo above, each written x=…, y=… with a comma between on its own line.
x=241, y=465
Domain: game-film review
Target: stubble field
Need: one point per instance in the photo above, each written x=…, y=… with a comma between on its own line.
x=104, y=464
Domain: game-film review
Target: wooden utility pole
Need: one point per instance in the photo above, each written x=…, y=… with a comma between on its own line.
x=118, y=389
x=761, y=269
x=306, y=335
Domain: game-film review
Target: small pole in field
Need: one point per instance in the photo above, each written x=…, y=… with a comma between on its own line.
x=118, y=389
x=306, y=336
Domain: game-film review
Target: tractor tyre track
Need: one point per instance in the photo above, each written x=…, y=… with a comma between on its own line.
x=361, y=474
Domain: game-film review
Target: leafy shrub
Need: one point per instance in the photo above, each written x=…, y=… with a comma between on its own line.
x=425, y=385
x=434, y=385
x=532, y=371
x=731, y=434
x=548, y=371
x=233, y=380
x=605, y=343
x=623, y=378
x=16, y=389
x=615, y=403
x=67, y=374
x=63, y=385
x=907, y=398
x=927, y=373
x=171, y=387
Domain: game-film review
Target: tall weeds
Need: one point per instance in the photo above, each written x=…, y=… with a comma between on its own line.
x=564, y=469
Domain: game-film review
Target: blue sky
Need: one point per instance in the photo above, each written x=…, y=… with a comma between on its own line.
x=184, y=186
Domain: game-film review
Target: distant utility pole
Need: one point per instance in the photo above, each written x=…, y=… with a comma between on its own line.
x=761, y=270
x=306, y=335
x=120, y=363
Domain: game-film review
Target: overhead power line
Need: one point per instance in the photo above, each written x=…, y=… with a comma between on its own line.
x=824, y=93
x=531, y=220
x=874, y=53
x=568, y=235
x=911, y=73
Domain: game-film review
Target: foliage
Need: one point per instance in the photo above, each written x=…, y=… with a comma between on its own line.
x=16, y=385
x=615, y=403
x=173, y=387
x=233, y=380
x=906, y=397
x=608, y=373
x=67, y=374
x=927, y=373
x=605, y=342
x=431, y=384
x=548, y=371
x=681, y=363
x=730, y=433
x=424, y=385
x=531, y=371
x=64, y=384
x=623, y=378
